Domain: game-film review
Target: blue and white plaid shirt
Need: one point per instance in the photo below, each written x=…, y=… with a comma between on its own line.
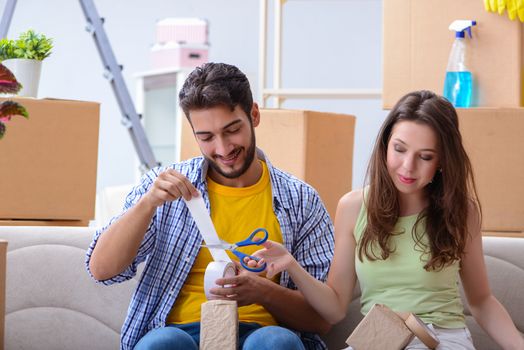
x=172, y=242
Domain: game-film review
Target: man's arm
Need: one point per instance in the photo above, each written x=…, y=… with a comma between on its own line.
x=118, y=246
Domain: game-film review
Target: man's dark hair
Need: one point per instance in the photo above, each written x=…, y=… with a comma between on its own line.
x=216, y=84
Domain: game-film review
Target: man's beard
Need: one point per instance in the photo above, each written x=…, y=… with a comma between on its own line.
x=250, y=156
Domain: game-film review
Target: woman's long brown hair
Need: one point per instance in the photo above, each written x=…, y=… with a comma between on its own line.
x=450, y=194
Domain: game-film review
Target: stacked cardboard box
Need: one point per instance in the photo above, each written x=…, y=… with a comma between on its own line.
x=417, y=43
x=314, y=146
x=49, y=164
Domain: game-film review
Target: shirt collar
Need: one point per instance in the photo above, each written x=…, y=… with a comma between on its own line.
x=199, y=179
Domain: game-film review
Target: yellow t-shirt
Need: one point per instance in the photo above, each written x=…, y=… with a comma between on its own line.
x=235, y=212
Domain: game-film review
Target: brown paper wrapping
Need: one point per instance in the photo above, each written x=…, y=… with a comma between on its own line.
x=219, y=325
x=381, y=329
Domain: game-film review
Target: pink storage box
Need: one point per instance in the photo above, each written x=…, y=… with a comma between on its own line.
x=174, y=55
x=182, y=30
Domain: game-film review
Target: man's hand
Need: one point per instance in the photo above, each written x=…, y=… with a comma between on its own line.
x=246, y=288
x=169, y=186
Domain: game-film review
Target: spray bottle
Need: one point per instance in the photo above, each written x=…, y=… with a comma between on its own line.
x=458, y=85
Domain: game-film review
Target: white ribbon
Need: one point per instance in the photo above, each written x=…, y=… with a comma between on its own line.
x=198, y=210
x=222, y=266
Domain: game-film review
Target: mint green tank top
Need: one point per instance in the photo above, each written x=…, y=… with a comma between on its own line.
x=401, y=283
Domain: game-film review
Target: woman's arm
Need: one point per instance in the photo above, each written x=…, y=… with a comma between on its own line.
x=331, y=299
x=486, y=309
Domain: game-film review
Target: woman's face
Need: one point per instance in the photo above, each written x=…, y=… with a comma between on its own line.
x=412, y=157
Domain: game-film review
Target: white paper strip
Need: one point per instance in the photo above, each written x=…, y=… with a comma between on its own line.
x=198, y=210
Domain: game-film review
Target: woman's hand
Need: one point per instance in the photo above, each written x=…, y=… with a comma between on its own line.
x=275, y=255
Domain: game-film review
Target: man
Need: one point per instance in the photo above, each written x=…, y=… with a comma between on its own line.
x=243, y=192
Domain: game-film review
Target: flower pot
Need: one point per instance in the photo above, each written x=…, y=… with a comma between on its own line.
x=27, y=72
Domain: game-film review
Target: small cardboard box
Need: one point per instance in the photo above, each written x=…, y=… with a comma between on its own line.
x=49, y=161
x=382, y=328
x=314, y=146
x=219, y=325
x=494, y=142
x=417, y=43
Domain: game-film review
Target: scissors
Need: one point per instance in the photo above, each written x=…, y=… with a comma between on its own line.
x=246, y=242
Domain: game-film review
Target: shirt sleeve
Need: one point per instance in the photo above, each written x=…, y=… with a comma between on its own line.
x=314, y=244
x=147, y=243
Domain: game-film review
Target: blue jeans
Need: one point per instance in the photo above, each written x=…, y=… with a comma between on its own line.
x=252, y=336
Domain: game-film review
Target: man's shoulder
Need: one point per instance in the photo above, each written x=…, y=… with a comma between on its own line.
x=185, y=167
x=289, y=183
x=188, y=164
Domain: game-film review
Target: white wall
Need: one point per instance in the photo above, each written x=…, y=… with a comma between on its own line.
x=327, y=44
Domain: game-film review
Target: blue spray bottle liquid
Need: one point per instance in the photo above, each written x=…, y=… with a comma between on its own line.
x=458, y=85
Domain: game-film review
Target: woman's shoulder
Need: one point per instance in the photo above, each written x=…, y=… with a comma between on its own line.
x=353, y=199
x=350, y=204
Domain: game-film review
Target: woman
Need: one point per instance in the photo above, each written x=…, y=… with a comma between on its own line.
x=411, y=233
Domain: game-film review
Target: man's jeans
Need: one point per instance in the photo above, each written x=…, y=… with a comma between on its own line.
x=252, y=336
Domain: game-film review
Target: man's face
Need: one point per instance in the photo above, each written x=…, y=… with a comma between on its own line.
x=226, y=139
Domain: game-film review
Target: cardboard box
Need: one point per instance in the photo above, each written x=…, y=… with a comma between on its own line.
x=315, y=147
x=53, y=222
x=494, y=142
x=381, y=328
x=49, y=161
x=3, y=254
x=219, y=325
x=417, y=43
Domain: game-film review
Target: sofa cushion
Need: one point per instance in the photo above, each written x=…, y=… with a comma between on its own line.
x=51, y=302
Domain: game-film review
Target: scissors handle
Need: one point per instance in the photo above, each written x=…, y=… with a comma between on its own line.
x=249, y=240
x=241, y=257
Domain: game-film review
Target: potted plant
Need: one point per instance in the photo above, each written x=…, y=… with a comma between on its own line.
x=9, y=84
x=24, y=56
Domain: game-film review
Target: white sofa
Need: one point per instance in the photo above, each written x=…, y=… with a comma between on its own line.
x=52, y=304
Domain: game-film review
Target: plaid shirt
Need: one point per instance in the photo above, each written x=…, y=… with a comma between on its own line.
x=172, y=242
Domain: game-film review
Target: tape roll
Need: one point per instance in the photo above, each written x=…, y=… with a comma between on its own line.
x=214, y=271
x=422, y=331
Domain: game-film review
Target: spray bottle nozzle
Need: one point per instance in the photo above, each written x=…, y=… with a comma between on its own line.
x=461, y=26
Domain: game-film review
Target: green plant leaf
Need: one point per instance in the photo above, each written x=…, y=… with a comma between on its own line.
x=8, y=82
x=6, y=49
x=32, y=45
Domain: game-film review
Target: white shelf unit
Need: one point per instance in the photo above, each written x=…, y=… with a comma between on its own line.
x=157, y=102
x=278, y=93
